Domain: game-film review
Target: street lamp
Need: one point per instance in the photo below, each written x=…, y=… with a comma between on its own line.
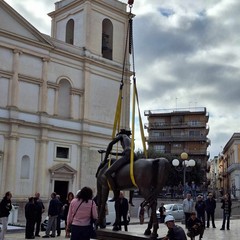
x=185, y=164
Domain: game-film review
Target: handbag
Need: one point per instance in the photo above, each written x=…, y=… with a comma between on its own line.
x=93, y=225
x=69, y=229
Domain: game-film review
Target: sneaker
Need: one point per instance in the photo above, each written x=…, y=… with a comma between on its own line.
x=52, y=235
x=46, y=236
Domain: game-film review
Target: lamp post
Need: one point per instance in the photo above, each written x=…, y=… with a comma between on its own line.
x=185, y=164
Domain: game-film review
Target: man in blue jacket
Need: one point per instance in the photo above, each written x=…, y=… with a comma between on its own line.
x=53, y=212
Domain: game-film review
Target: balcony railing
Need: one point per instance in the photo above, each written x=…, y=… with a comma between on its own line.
x=160, y=125
x=187, y=110
x=176, y=138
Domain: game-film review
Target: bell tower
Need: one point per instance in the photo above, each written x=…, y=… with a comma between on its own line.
x=97, y=26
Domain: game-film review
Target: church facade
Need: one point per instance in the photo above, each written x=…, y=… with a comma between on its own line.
x=58, y=95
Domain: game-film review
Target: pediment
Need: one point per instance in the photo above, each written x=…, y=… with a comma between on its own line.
x=12, y=22
x=62, y=169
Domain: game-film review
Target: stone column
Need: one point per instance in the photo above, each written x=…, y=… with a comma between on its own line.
x=10, y=161
x=44, y=89
x=56, y=101
x=40, y=166
x=71, y=104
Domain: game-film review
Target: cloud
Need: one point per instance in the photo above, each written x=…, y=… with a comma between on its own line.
x=192, y=60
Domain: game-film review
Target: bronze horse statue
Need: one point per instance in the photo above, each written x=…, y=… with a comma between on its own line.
x=150, y=176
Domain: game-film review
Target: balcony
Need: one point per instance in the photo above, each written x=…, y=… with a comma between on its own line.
x=175, y=111
x=176, y=125
x=182, y=138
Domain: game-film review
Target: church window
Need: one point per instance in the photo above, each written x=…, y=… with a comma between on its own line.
x=64, y=99
x=25, y=167
x=70, y=31
x=107, y=39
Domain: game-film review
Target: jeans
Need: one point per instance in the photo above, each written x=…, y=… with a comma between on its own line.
x=52, y=225
x=226, y=218
x=4, y=221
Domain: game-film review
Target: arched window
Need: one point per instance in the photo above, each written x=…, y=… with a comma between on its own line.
x=107, y=39
x=64, y=99
x=25, y=167
x=70, y=31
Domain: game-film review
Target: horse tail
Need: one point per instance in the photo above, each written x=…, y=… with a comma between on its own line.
x=155, y=166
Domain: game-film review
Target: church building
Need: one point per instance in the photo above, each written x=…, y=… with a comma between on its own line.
x=58, y=95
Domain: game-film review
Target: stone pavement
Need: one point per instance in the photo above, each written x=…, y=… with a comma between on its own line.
x=209, y=234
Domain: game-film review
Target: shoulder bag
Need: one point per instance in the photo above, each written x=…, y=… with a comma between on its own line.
x=70, y=226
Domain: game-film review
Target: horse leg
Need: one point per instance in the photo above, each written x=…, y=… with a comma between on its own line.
x=117, y=223
x=154, y=234
x=102, y=207
x=149, y=227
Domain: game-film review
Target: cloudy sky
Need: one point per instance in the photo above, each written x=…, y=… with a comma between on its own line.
x=187, y=55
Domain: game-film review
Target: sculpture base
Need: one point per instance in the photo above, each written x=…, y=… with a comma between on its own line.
x=106, y=234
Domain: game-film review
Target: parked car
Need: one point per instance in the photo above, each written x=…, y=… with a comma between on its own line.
x=45, y=222
x=174, y=209
x=110, y=212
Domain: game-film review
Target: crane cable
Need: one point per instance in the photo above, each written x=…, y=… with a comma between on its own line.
x=135, y=98
x=117, y=118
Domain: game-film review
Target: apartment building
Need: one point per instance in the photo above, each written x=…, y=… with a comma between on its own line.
x=229, y=166
x=173, y=131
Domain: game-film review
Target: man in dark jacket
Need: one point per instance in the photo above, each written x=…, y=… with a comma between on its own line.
x=195, y=227
x=30, y=218
x=175, y=232
x=210, y=209
x=53, y=211
x=5, y=208
x=121, y=208
x=39, y=209
x=200, y=207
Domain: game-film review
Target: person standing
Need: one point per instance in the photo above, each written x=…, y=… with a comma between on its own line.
x=210, y=209
x=60, y=213
x=5, y=208
x=70, y=197
x=162, y=211
x=39, y=210
x=30, y=208
x=175, y=232
x=226, y=207
x=81, y=210
x=53, y=211
x=193, y=190
x=200, y=208
x=121, y=208
x=188, y=207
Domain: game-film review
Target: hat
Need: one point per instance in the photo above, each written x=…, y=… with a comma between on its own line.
x=199, y=196
x=124, y=131
x=169, y=218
